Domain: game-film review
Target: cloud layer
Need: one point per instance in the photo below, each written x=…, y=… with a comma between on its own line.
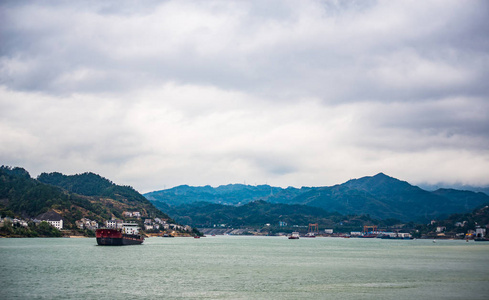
x=217, y=92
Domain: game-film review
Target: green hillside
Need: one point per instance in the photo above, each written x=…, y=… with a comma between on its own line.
x=24, y=197
x=382, y=197
x=117, y=197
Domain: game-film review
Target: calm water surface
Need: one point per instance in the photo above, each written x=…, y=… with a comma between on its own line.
x=244, y=268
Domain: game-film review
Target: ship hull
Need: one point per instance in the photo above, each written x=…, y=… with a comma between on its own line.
x=481, y=240
x=113, y=237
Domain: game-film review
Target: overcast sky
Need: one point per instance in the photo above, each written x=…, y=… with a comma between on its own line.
x=155, y=94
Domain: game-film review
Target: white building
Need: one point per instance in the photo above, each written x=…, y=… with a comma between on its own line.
x=52, y=218
x=93, y=224
x=58, y=224
x=22, y=223
x=158, y=220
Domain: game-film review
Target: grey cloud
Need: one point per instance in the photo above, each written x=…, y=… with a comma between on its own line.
x=285, y=52
x=293, y=93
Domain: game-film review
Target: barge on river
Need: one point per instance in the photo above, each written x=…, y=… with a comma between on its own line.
x=127, y=235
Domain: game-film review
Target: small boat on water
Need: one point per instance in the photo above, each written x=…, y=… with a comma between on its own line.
x=294, y=236
x=127, y=235
x=368, y=235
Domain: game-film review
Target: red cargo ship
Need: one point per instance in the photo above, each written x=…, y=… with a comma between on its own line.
x=127, y=235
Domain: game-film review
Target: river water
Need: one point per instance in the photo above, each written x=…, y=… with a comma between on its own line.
x=232, y=267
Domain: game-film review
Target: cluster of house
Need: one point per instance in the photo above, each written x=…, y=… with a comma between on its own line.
x=85, y=223
x=157, y=224
x=478, y=232
x=16, y=221
x=132, y=214
x=56, y=221
x=51, y=217
x=150, y=224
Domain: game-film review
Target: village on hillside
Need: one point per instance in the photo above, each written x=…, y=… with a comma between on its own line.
x=151, y=226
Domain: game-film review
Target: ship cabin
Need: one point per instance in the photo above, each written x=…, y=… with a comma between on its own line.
x=130, y=228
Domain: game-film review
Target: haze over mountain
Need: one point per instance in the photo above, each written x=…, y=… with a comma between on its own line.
x=379, y=196
x=231, y=194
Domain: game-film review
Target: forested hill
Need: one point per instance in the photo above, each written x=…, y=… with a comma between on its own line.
x=26, y=197
x=90, y=184
x=382, y=197
x=98, y=187
x=379, y=196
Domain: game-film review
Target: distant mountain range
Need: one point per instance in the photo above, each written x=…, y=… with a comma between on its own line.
x=461, y=187
x=379, y=196
x=231, y=194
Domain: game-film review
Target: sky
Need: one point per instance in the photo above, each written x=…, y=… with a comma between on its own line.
x=155, y=94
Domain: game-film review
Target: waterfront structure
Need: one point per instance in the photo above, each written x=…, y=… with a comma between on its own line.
x=313, y=229
x=52, y=218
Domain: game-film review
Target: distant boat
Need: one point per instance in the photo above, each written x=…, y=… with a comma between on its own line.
x=395, y=237
x=294, y=236
x=368, y=235
x=196, y=237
